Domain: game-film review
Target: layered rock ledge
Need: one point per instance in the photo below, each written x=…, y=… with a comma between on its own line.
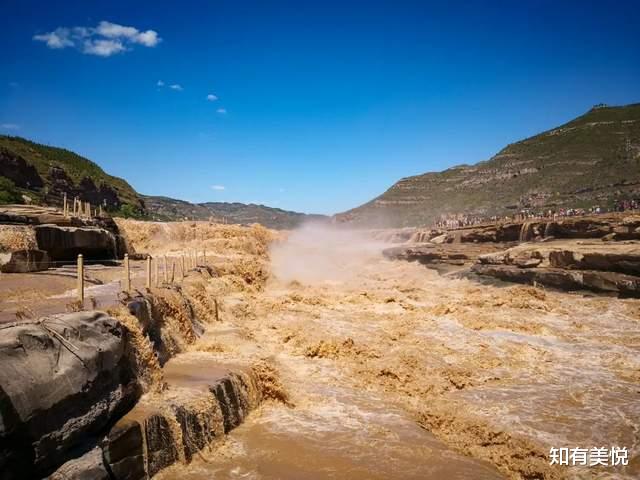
x=434, y=254
x=32, y=238
x=569, y=265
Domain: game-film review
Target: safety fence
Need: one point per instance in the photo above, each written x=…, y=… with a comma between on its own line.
x=163, y=269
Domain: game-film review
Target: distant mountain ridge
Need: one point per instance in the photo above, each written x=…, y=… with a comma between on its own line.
x=591, y=160
x=31, y=172
x=165, y=208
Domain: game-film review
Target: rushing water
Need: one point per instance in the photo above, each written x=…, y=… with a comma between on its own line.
x=370, y=349
x=333, y=431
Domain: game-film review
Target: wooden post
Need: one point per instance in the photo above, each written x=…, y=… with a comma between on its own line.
x=127, y=274
x=80, y=279
x=148, y=272
x=173, y=270
x=64, y=205
x=155, y=267
x=166, y=270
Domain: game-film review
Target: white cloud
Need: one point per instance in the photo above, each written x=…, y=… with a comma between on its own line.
x=222, y=111
x=59, y=38
x=176, y=87
x=160, y=83
x=113, y=30
x=211, y=97
x=104, y=40
x=9, y=126
x=103, y=48
x=217, y=187
x=149, y=38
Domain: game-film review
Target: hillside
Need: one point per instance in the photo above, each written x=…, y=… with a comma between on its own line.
x=44, y=174
x=40, y=174
x=591, y=160
x=163, y=208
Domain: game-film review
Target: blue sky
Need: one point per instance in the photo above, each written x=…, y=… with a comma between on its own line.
x=320, y=106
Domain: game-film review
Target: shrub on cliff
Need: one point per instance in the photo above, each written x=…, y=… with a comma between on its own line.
x=8, y=192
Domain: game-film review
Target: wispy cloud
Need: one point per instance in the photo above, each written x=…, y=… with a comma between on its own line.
x=59, y=38
x=174, y=86
x=104, y=40
x=222, y=111
x=211, y=97
x=14, y=84
x=9, y=126
x=217, y=187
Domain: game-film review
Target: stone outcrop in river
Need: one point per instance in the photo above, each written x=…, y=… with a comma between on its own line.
x=569, y=265
x=546, y=252
x=436, y=254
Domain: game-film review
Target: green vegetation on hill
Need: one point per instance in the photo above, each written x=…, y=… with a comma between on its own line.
x=9, y=193
x=591, y=160
x=79, y=174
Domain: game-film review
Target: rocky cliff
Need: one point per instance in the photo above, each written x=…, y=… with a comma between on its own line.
x=43, y=175
x=591, y=160
x=33, y=237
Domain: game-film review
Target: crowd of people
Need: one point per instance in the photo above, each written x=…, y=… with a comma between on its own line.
x=461, y=220
x=624, y=205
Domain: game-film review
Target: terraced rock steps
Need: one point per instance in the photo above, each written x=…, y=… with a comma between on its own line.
x=201, y=402
x=80, y=397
